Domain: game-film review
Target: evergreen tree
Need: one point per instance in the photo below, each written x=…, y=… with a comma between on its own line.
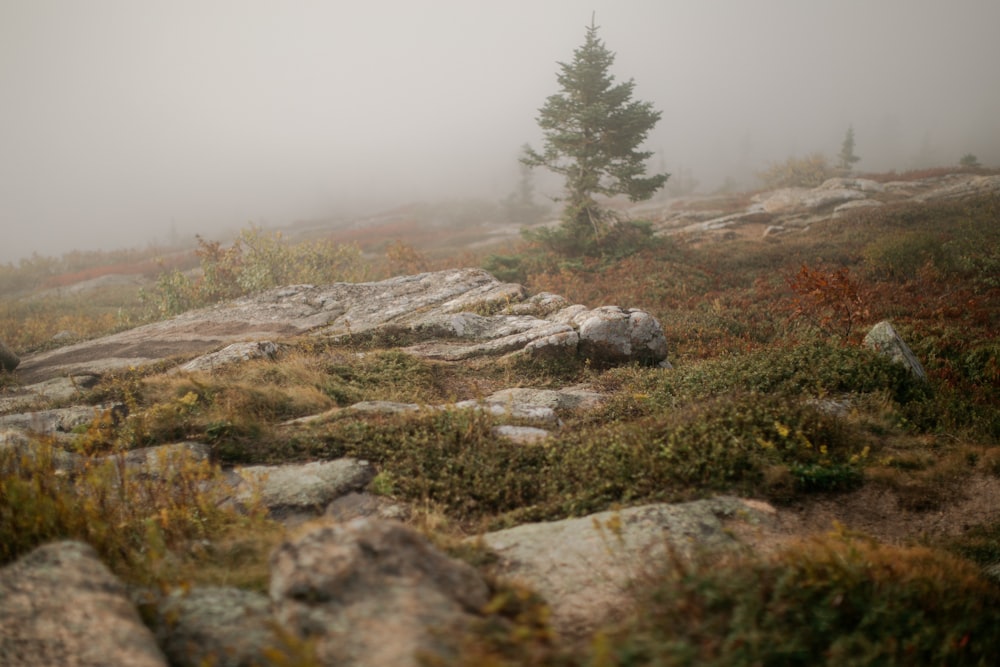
x=847, y=158
x=970, y=160
x=592, y=131
x=520, y=206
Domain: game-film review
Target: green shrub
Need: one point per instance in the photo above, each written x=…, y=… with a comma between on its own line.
x=902, y=256
x=965, y=373
x=832, y=600
x=814, y=369
x=447, y=458
x=453, y=460
x=976, y=241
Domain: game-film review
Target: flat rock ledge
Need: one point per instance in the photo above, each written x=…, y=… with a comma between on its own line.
x=585, y=567
x=454, y=314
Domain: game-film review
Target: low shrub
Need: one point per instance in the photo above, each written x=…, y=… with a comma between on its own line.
x=812, y=368
x=902, y=256
x=448, y=458
x=804, y=172
x=453, y=460
x=141, y=525
x=256, y=261
x=833, y=600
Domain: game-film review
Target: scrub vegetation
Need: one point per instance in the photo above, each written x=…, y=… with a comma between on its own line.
x=772, y=396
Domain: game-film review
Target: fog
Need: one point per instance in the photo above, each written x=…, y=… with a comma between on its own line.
x=124, y=122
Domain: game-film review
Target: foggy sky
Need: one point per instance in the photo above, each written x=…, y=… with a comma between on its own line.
x=123, y=121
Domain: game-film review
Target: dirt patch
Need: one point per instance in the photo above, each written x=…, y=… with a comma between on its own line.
x=878, y=513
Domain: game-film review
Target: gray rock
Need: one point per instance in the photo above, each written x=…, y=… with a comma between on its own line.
x=454, y=314
x=231, y=354
x=59, y=605
x=8, y=360
x=883, y=339
x=224, y=627
x=487, y=336
x=39, y=394
x=962, y=185
x=61, y=420
x=584, y=567
x=725, y=221
x=556, y=399
x=162, y=460
x=559, y=345
x=610, y=335
x=803, y=200
x=359, y=505
x=569, y=315
x=522, y=435
x=305, y=488
x=538, y=414
x=373, y=593
x=383, y=407
x=539, y=305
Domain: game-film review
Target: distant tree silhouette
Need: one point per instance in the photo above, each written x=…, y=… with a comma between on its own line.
x=970, y=160
x=846, y=158
x=520, y=206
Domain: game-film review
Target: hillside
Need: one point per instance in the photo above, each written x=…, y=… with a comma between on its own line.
x=683, y=450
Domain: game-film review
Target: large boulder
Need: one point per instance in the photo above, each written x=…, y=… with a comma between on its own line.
x=611, y=335
x=372, y=592
x=584, y=567
x=59, y=605
x=8, y=360
x=223, y=627
x=883, y=339
x=302, y=489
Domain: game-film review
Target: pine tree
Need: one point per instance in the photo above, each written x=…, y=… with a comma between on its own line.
x=520, y=206
x=970, y=160
x=847, y=158
x=592, y=131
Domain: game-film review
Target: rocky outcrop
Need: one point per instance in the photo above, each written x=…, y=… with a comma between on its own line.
x=789, y=209
x=584, y=567
x=883, y=339
x=454, y=314
x=59, y=605
x=830, y=194
x=956, y=186
x=373, y=592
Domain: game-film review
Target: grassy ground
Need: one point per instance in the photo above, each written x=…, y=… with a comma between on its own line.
x=773, y=396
